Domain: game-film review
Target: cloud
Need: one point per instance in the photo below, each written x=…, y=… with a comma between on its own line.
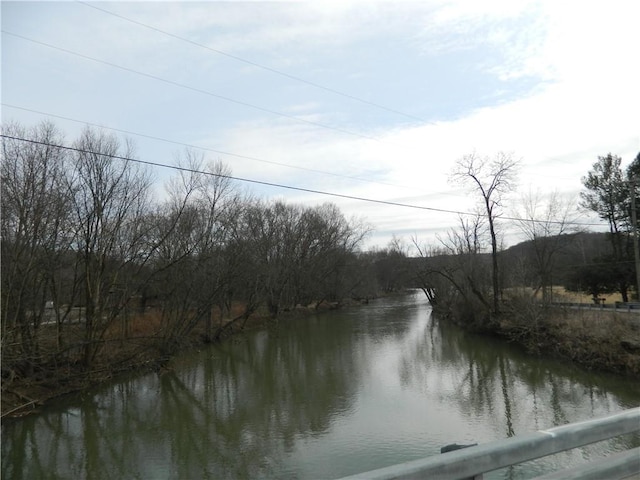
x=553, y=82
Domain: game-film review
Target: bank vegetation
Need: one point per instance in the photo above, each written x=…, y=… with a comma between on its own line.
x=510, y=292
x=103, y=272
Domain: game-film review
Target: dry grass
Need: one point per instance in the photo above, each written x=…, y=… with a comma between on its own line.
x=561, y=294
x=136, y=344
x=595, y=324
x=597, y=339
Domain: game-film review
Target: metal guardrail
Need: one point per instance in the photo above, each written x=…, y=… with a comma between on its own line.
x=474, y=461
x=629, y=307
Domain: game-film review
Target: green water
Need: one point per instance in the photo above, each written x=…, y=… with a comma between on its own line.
x=324, y=397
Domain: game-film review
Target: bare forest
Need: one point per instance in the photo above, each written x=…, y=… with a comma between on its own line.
x=98, y=274
x=103, y=270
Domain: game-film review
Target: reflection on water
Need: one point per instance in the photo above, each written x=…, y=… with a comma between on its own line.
x=333, y=395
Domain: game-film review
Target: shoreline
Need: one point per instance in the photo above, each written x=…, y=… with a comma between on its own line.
x=596, y=340
x=28, y=395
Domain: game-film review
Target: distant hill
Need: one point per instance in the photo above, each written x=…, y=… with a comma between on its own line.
x=571, y=251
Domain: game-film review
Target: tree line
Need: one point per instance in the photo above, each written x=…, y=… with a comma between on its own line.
x=87, y=247
x=472, y=278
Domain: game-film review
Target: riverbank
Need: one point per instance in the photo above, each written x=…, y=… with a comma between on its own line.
x=26, y=392
x=380, y=383
x=596, y=339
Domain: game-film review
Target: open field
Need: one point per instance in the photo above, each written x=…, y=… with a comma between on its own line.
x=561, y=294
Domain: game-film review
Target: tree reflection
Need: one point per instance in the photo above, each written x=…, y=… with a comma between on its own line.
x=231, y=413
x=480, y=375
x=242, y=409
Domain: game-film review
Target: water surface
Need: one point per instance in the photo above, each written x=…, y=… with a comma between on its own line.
x=322, y=397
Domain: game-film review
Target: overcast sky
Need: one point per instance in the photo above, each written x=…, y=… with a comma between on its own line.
x=364, y=99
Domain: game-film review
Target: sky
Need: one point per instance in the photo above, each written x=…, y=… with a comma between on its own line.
x=358, y=99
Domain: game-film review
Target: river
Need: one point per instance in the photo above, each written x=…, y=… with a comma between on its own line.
x=322, y=397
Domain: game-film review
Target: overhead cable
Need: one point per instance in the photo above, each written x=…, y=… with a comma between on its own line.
x=289, y=187
x=221, y=152
x=254, y=64
x=194, y=89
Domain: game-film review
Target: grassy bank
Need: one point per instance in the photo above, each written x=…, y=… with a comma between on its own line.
x=596, y=339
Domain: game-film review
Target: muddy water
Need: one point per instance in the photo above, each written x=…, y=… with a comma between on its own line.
x=323, y=397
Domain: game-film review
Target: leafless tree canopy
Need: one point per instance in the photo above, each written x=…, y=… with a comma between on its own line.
x=491, y=178
x=545, y=220
x=88, y=253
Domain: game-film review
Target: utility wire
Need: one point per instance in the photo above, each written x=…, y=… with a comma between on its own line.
x=194, y=89
x=240, y=59
x=222, y=152
x=255, y=64
x=232, y=177
x=288, y=187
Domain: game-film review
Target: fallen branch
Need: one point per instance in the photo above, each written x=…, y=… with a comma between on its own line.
x=19, y=407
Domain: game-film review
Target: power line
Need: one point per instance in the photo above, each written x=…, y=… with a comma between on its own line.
x=171, y=82
x=208, y=149
x=283, y=186
x=222, y=152
x=194, y=89
x=232, y=177
x=255, y=64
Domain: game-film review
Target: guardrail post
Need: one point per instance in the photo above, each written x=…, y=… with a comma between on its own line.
x=487, y=457
x=455, y=446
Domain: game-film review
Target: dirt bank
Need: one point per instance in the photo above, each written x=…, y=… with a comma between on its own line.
x=596, y=339
x=25, y=389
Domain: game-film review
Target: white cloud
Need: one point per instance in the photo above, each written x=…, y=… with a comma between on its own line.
x=579, y=59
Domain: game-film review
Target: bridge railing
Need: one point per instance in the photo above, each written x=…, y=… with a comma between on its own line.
x=629, y=307
x=474, y=461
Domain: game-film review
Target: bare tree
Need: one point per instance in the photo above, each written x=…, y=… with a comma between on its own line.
x=454, y=276
x=78, y=227
x=34, y=224
x=391, y=265
x=191, y=264
x=330, y=240
x=299, y=253
x=110, y=200
x=465, y=247
x=492, y=179
x=546, y=223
